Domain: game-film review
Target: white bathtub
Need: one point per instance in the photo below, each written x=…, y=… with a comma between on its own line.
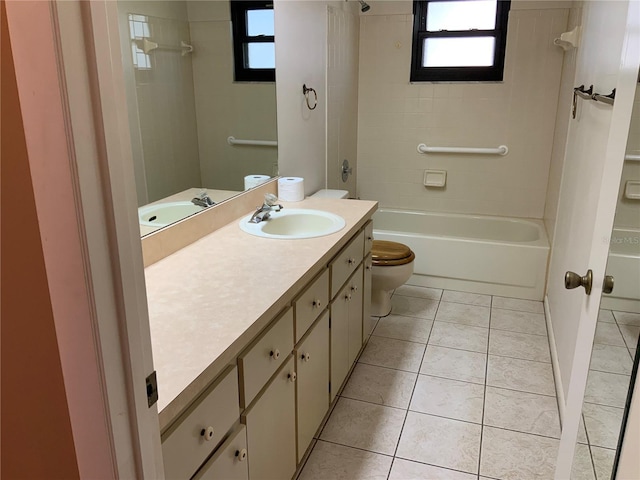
x=472, y=253
x=624, y=266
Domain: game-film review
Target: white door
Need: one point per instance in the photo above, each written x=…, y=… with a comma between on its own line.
x=608, y=58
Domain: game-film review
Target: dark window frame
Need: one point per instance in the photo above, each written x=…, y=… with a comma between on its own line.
x=458, y=74
x=241, y=40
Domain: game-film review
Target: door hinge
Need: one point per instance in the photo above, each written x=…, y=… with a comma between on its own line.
x=152, y=389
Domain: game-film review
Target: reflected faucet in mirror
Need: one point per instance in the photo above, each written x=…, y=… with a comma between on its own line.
x=203, y=200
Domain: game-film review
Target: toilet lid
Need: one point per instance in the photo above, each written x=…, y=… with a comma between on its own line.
x=385, y=253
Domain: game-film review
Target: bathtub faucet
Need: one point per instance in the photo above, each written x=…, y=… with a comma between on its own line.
x=264, y=212
x=203, y=200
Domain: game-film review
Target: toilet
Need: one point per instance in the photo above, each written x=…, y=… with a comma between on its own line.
x=392, y=267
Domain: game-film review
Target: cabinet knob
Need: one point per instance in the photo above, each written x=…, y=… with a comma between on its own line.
x=370, y=238
x=275, y=354
x=354, y=288
x=351, y=261
x=368, y=267
x=241, y=454
x=306, y=357
x=347, y=297
x=316, y=304
x=292, y=377
x=207, y=433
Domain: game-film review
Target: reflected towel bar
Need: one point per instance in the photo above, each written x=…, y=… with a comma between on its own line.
x=501, y=150
x=259, y=143
x=632, y=158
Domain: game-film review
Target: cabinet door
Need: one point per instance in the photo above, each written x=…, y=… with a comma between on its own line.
x=367, y=324
x=312, y=385
x=339, y=340
x=230, y=461
x=271, y=429
x=354, y=290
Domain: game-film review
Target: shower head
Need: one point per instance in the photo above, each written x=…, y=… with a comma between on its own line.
x=364, y=6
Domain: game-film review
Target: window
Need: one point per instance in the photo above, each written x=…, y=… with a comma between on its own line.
x=138, y=32
x=459, y=40
x=253, y=41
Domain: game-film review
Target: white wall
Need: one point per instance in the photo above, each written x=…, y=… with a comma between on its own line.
x=395, y=116
x=225, y=108
x=161, y=104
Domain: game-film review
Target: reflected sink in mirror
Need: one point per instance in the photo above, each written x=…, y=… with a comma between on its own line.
x=163, y=214
x=296, y=223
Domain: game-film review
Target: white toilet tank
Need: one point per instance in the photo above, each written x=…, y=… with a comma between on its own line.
x=328, y=193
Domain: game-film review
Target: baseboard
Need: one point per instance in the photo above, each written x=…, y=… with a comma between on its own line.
x=557, y=377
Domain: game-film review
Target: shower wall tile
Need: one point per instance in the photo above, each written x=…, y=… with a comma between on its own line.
x=395, y=116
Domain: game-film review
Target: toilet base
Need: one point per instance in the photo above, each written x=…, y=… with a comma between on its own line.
x=380, y=303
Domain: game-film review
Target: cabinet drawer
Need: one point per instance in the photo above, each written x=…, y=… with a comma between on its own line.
x=261, y=360
x=311, y=304
x=368, y=237
x=194, y=436
x=346, y=263
x=230, y=462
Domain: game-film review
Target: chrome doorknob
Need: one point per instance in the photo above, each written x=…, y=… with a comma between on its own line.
x=573, y=280
x=607, y=285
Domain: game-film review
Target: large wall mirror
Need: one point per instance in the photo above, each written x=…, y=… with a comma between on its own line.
x=614, y=356
x=184, y=104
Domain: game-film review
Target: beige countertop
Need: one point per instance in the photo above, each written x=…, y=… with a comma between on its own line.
x=208, y=300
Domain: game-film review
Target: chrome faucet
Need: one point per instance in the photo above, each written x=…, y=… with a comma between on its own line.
x=203, y=200
x=264, y=212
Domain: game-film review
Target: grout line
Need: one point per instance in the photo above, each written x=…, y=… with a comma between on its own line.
x=401, y=339
x=484, y=400
x=593, y=463
x=355, y=448
x=437, y=466
x=372, y=403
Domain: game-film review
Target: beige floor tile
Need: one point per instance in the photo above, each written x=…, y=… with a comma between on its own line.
x=441, y=442
x=455, y=364
x=420, y=292
x=582, y=468
x=521, y=322
x=468, y=298
x=519, y=345
x=521, y=375
x=607, y=358
x=521, y=411
x=463, y=314
x=407, y=470
x=463, y=337
x=337, y=462
x=414, y=306
x=582, y=432
x=518, y=304
x=380, y=385
x=448, y=398
x=606, y=316
x=627, y=318
x=608, y=334
x=375, y=428
x=515, y=456
x=630, y=333
x=607, y=389
x=412, y=329
x=391, y=353
x=603, y=424
x=603, y=459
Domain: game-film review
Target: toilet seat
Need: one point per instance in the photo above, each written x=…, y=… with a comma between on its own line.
x=385, y=253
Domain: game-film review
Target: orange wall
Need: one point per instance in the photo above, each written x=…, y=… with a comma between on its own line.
x=36, y=435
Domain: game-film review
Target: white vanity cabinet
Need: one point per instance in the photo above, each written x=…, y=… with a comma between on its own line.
x=230, y=462
x=312, y=385
x=367, y=322
x=271, y=428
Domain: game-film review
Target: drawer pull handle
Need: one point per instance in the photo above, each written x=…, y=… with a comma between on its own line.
x=316, y=304
x=306, y=357
x=275, y=354
x=292, y=377
x=241, y=454
x=207, y=433
x=354, y=288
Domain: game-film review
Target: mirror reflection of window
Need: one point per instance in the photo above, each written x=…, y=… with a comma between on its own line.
x=253, y=41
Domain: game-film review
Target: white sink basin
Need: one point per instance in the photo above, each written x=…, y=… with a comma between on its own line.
x=163, y=214
x=293, y=223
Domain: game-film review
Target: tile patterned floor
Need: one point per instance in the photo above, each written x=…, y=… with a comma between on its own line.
x=609, y=375
x=452, y=386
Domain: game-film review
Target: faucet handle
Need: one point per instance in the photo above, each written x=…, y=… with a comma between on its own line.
x=270, y=199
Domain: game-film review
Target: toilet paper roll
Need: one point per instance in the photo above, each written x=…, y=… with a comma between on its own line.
x=291, y=189
x=251, y=181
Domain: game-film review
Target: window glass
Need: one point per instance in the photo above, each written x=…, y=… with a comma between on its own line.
x=462, y=15
x=458, y=52
x=260, y=22
x=261, y=55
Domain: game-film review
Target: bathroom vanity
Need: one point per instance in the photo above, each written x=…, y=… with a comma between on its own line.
x=252, y=340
